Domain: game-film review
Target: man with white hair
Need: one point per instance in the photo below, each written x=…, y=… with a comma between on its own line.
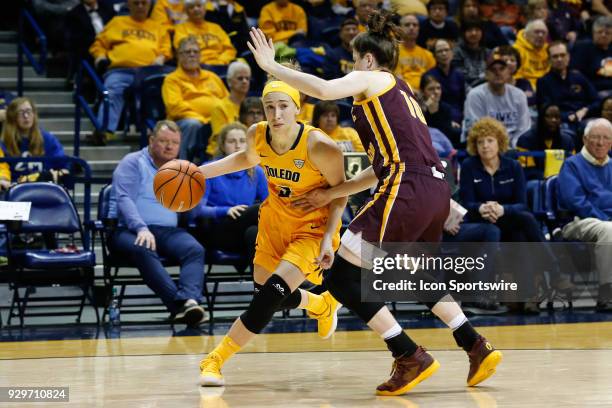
x=532, y=47
x=585, y=188
x=227, y=109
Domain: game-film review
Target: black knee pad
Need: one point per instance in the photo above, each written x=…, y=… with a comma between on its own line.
x=265, y=304
x=291, y=302
x=344, y=282
x=429, y=298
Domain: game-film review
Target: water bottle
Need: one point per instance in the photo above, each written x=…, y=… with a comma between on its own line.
x=113, y=310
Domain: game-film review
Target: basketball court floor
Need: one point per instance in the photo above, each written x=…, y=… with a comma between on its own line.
x=559, y=361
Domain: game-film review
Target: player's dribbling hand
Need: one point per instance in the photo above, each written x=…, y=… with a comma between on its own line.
x=146, y=239
x=262, y=48
x=326, y=256
x=236, y=211
x=312, y=200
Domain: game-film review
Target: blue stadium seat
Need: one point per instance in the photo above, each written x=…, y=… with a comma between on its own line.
x=53, y=214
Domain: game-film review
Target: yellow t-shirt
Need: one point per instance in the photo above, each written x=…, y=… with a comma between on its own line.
x=347, y=139
x=413, y=63
x=305, y=115
x=215, y=45
x=224, y=112
x=129, y=43
x=534, y=62
x=280, y=24
x=192, y=98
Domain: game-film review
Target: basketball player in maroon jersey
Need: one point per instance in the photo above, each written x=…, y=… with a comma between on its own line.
x=410, y=202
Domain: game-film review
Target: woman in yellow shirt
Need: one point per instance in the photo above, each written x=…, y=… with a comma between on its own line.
x=325, y=117
x=281, y=20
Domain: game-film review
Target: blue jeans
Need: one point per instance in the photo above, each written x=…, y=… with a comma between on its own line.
x=477, y=232
x=194, y=138
x=116, y=81
x=175, y=244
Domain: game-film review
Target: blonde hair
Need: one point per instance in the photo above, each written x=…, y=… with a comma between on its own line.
x=11, y=135
x=485, y=127
x=221, y=141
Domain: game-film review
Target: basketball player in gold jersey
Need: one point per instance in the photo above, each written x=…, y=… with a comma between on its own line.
x=410, y=203
x=292, y=244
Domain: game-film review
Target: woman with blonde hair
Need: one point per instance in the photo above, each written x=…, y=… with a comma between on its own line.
x=22, y=137
x=231, y=204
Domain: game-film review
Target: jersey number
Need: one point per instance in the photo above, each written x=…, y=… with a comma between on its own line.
x=284, y=191
x=415, y=109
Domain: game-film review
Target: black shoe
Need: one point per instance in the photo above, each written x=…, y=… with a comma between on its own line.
x=99, y=138
x=604, y=306
x=191, y=314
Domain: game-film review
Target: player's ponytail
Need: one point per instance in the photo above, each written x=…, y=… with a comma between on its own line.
x=381, y=39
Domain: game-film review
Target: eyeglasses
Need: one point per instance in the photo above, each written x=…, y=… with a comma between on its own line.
x=25, y=112
x=189, y=52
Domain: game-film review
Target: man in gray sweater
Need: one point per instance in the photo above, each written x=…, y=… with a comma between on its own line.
x=499, y=100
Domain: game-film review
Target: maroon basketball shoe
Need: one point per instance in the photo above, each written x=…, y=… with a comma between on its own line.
x=483, y=361
x=408, y=372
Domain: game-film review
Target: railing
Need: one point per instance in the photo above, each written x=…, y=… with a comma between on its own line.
x=22, y=48
x=70, y=163
x=80, y=103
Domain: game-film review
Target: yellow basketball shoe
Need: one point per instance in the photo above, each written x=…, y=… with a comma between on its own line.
x=328, y=320
x=210, y=371
x=483, y=361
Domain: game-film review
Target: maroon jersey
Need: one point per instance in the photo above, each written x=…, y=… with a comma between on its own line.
x=393, y=130
x=411, y=201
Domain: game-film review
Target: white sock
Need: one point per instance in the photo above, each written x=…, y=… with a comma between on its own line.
x=457, y=321
x=392, y=332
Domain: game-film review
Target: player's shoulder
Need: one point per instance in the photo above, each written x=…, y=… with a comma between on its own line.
x=321, y=146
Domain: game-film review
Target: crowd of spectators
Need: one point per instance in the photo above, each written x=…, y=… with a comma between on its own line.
x=490, y=75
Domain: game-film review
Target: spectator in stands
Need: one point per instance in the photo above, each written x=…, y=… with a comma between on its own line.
x=251, y=111
x=531, y=45
x=537, y=9
x=545, y=135
x=451, y=79
x=325, y=117
x=169, y=13
x=340, y=59
x=22, y=137
x=492, y=35
x=563, y=22
x=585, y=188
x=413, y=60
x=363, y=9
x=147, y=231
x=51, y=15
x=606, y=108
x=469, y=56
x=126, y=43
x=571, y=90
x=83, y=23
x=436, y=26
x=493, y=190
x=231, y=205
x=438, y=113
x=593, y=57
x=282, y=19
x=232, y=18
x=513, y=60
x=215, y=45
x=190, y=93
x=226, y=110
x=499, y=100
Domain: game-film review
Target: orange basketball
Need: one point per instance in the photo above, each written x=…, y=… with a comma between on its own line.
x=179, y=185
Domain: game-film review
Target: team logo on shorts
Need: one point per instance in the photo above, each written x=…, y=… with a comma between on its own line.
x=298, y=163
